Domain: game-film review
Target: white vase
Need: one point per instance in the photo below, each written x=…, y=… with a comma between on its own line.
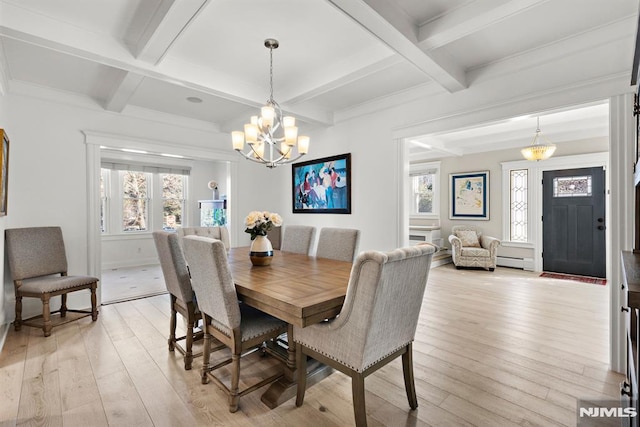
x=261, y=252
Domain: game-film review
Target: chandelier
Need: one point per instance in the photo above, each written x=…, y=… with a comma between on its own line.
x=271, y=137
x=537, y=151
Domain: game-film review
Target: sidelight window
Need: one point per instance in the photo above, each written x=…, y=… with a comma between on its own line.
x=518, y=205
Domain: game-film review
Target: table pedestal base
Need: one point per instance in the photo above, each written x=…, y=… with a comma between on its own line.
x=285, y=388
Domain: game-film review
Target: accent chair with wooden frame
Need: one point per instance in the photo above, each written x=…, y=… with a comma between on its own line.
x=238, y=326
x=38, y=265
x=178, y=283
x=377, y=323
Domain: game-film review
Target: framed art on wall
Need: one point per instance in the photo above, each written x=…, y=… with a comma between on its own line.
x=4, y=172
x=469, y=195
x=322, y=185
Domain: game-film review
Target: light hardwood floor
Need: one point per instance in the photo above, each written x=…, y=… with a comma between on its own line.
x=126, y=283
x=491, y=349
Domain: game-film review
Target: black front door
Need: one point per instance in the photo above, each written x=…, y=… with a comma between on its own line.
x=573, y=229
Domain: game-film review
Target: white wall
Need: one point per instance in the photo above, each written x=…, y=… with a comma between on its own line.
x=47, y=173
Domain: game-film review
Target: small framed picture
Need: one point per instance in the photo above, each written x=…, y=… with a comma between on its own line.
x=469, y=195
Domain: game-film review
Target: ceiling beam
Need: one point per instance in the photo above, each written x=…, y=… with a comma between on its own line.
x=469, y=19
x=312, y=86
x=168, y=21
x=434, y=144
x=122, y=91
x=28, y=27
x=393, y=27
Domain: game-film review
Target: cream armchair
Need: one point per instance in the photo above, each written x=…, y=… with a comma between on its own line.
x=469, y=248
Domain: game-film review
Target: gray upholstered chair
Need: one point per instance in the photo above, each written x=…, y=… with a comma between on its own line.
x=377, y=322
x=275, y=237
x=469, y=248
x=178, y=283
x=238, y=326
x=220, y=233
x=38, y=265
x=298, y=239
x=338, y=243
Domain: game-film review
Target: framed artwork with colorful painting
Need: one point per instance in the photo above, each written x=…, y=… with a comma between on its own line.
x=322, y=185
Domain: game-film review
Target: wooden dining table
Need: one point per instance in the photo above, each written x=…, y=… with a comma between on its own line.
x=299, y=289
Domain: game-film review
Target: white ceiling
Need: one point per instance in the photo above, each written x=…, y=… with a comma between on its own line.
x=334, y=56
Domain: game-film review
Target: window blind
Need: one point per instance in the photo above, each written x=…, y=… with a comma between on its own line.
x=145, y=167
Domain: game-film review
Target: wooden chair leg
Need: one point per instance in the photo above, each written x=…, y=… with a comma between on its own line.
x=63, y=305
x=301, y=366
x=46, y=315
x=188, y=354
x=172, y=326
x=206, y=354
x=357, y=391
x=94, y=303
x=235, y=382
x=17, y=324
x=409, y=383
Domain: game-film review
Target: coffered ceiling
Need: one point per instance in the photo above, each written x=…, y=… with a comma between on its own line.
x=336, y=57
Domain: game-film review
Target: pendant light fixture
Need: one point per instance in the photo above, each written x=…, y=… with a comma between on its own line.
x=539, y=151
x=270, y=136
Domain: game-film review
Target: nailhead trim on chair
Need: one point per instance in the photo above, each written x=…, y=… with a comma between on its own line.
x=359, y=370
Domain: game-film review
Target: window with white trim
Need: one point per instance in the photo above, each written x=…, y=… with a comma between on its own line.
x=172, y=200
x=141, y=198
x=425, y=190
x=135, y=200
x=105, y=179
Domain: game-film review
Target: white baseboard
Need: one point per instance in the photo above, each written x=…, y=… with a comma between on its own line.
x=522, y=263
x=133, y=263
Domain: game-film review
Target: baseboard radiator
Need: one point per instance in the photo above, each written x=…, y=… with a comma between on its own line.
x=522, y=263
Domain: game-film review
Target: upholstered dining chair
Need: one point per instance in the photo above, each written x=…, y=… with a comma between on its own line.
x=178, y=283
x=340, y=244
x=238, y=326
x=275, y=237
x=217, y=232
x=38, y=265
x=470, y=248
x=377, y=322
x=298, y=239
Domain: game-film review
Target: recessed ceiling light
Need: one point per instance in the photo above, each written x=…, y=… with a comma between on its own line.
x=194, y=99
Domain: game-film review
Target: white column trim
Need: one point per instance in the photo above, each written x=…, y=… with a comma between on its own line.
x=620, y=224
x=94, y=247
x=402, y=201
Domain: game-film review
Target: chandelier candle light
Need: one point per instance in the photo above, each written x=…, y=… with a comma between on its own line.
x=271, y=137
x=537, y=151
